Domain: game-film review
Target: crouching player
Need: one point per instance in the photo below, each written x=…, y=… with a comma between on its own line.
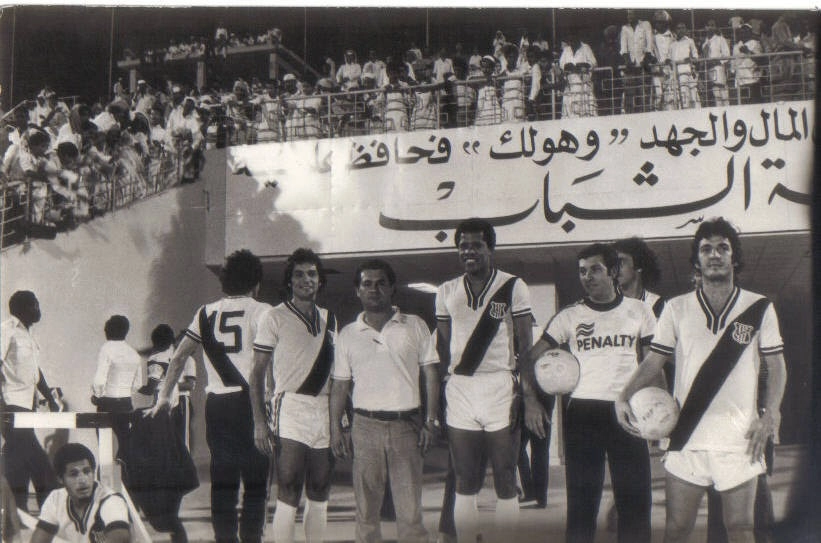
x=84, y=511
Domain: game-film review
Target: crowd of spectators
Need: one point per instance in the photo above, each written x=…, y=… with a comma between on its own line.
x=63, y=165
x=642, y=65
x=194, y=47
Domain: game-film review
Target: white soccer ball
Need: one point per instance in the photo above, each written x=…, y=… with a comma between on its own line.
x=557, y=372
x=656, y=412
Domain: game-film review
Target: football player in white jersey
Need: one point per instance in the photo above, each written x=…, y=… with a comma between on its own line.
x=226, y=330
x=718, y=337
x=605, y=331
x=297, y=337
x=84, y=510
x=480, y=316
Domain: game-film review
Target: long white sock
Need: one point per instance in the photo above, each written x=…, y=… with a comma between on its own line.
x=315, y=520
x=466, y=518
x=506, y=516
x=284, y=520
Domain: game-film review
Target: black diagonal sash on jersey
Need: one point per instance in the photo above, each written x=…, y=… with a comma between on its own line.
x=318, y=376
x=485, y=331
x=714, y=372
x=215, y=350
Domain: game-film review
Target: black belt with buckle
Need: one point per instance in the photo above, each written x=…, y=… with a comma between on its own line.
x=387, y=415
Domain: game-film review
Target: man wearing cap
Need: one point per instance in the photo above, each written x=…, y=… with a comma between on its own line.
x=488, y=105
x=384, y=353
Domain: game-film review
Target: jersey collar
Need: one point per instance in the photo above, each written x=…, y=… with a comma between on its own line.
x=604, y=306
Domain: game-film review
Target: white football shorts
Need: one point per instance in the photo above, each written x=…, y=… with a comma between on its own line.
x=302, y=418
x=480, y=401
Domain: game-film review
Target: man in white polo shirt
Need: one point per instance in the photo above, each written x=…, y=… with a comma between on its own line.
x=382, y=354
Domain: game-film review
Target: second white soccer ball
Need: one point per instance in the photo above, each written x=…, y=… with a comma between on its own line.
x=656, y=412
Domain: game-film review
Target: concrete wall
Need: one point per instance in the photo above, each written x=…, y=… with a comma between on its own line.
x=145, y=262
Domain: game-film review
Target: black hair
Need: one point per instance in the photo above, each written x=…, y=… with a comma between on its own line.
x=375, y=264
x=20, y=300
x=718, y=226
x=116, y=327
x=241, y=272
x=38, y=137
x=162, y=337
x=608, y=254
x=72, y=452
x=67, y=150
x=303, y=256
x=644, y=258
x=476, y=225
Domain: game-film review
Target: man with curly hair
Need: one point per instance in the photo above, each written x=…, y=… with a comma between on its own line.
x=226, y=329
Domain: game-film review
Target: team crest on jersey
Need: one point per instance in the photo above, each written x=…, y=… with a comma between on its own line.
x=497, y=310
x=742, y=333
x=585, y=329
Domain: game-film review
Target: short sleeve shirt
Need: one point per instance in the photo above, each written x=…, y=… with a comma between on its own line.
x=227, y=340
x=108, y=510
x=456, y=303
x=605, y=338
x=20, y=355
x=295, y=342
x=384, y=365
x=689, y=330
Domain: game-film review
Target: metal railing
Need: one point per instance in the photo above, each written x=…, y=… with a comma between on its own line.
x=474, y=102
x=39, y=208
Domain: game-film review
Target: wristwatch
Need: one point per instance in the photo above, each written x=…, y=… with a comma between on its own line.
x=432, y=421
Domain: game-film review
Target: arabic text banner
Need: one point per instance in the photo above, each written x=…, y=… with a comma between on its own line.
x=575, y=180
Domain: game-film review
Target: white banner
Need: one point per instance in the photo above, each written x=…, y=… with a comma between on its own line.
x=654, y=175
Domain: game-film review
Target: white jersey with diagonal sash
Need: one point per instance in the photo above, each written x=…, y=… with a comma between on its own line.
x=605, y=338
x=226, y=329
x=689, y=330
x=465, y=310
x=296, y=342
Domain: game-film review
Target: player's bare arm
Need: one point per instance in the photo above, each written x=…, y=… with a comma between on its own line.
x=536, y=418
x=770, y=416
x=430, y=376
x=340, y=439
x=523, y=330
x=175, y=368
x=256, y=389
x=647, y=374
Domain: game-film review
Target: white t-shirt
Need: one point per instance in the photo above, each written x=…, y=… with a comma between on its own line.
x=605, y=338
x=119, y=370
x=689, y=329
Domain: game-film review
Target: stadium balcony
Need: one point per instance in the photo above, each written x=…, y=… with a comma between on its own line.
x=661, y=87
